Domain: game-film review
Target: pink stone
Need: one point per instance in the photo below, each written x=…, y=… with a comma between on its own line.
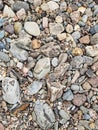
x=1, y=127
x=45, y=22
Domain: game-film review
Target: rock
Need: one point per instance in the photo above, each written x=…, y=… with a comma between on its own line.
x=17, y=27
x=75, y=16
x=1, y=5
x=36, y=44
x=42, y=68
x=34, y=87
x=85, y=39
x=63, y=6
x=45, y=22
x=37, y=3
x=20, y=65
x=76, y=35
x=1, y=22
x=92, y=50
x=75, y=87
x=79, y=99
x=10, y=89
x=43, y=115
x=86, y=117
x=8, y=12
x=2, y=45
x=18, y=53
x=52, y=5
x=93, y=114
x=63, y=58
x=54, y=62
x=32, y=28
x=50, y=49
x=81, y=9
x=94, y=39
x=45, y=7
x=58, y=19
x=61, y=36
x=2, y=127
x=68, y=95
x=94, y=29
x=86, y=86
x=69, y=28
x=19, y=5
x=77, y=51
x=56, y=28
x=4, y=57
x=93, y=81
x=9, y=28
x=95, y=66
x=75, y=77
x=2, y=73
x=55, y=90
x=69, y=39
x=21, y=14
x=2, y=33
x=88, y=12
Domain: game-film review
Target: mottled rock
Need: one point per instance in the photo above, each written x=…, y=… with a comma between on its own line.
x=93, y=114
x=58, y=19
x=95, y=66
x=75, y=87
x=69, y=28
x=81, y=9
x=50, y=49
x=42, y=68
x=76, y=35
x=94, y=29
x=75, y=16
x=61, y=36
x=10, y=89
x=9, y=28
x=52, y=5
x=37, y=2
x=77, y=51
x=36, y=44
x=45, y=22
x=45, y=7
x=93, y=81
x=32, y=28
x=85, y=39
x=63, y=6
x=94, y=39
x=68, y=95
x=86, y=86
x=43, y=115
x=56, y=28
x=79, y=99
x=2, y=33
x=21, y=14
x=34, y=87
x=4, y=57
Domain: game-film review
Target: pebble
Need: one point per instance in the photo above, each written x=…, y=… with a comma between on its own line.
x=76, y=35
x=18, y=53
x=56, y=28
x=75, y=87
x=68, y=95
x=63, y=6
x=88, y=12
x=20, y=65
x=2, y=127
x=21, y=14
x=52, y=5
x=79, y=99
x=81, y=9
x=1, y=22
x=4, y=57
x=34, y=87
x=85, y=40
x=77, y=51
x=17, y=27
x=86, y=86
x=94, y=39
x=43, y=115
x=19, y=5
x=36, y=44
x=55, y=62
x=8, y=12
x=93, y=81
x=9, y=28
x=45, y=7
x=45, y=22
x=61, y=36
x=37, y=3
x=75, y=16
x=42, y=68
x=2, y=33
x=2, y=45
x=69, y=28
x=94, y=29
x=32, y=28
x=10, y=89
x=58, y=19
x=93, y=114
x=95, y=66
x=1, y=5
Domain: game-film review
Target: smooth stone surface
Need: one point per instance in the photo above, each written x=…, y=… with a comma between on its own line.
x=34, y=87
x=32, y=28
x=40, y=110
x=52, y=5
x=75, y=16
x=2, y=45
x=4, y=57
x=10, y=89
x=21, y=14
x=63, y=6
x=85, y=39
x=1, y=22
x=68, y=95
x=69, y=28
x=76, y=35
x=9, y=28
x=75, y=87
x=17, y=27
x=61, y=36
x=42, y=68
x=54, y=62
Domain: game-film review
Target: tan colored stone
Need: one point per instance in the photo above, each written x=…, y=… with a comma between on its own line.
x=77, y=51
x=58, y=19
x=36, y=44
x=86, y=86
x=61, y=36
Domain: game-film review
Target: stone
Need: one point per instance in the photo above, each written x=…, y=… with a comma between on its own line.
x=86, y=86
x=43, y=115
x=32, y=28
x=45, y=7
x=61, y=36
x=9, y=28
x=92, y=50
x=34, y=87
x=75, y=16
x=69, y=39
x=1, y=5
x=81, y=9
x=42, y=68
x=2, y=33
x=95, y=66
x=88, y=12
x=93, y=81
x=58, y=19
x=56, y=28
x=93, y=114
x=37, y=3
x=63, y=58
x=4, y=57
x=54, y=62
x=69, y=28
x=63, y=6
x=94, y=29
x=10, y=89
x=77, y=51
x=2, y=127
x=20, y=65
x=2, y=73
x=1, y=22
x=45, y=22
x=18, y=53
x=75, y=87
x=85, y=39
x=76, y=35
x=8, y=12
x=52, y=5
x=2, y=45
x=68, y=95
x=21, y=14
x=17, y=27
x=19, y=5
x=55, y=90
x=36, y=44
x=94, y=39
x=50, y=49
x=79, y=99
x=75, y=77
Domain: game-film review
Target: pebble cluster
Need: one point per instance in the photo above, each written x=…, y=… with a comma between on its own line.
x=48, y=65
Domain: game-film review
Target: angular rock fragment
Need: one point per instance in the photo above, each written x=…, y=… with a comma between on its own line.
x=93, y=81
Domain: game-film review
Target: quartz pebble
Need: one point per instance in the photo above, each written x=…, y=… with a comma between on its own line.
x=45, y=22
x=54, y=62
x=69, y=28
x=52, y=5
x=58, y=19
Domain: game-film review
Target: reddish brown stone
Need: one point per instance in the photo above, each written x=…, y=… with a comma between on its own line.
x=93, y=81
